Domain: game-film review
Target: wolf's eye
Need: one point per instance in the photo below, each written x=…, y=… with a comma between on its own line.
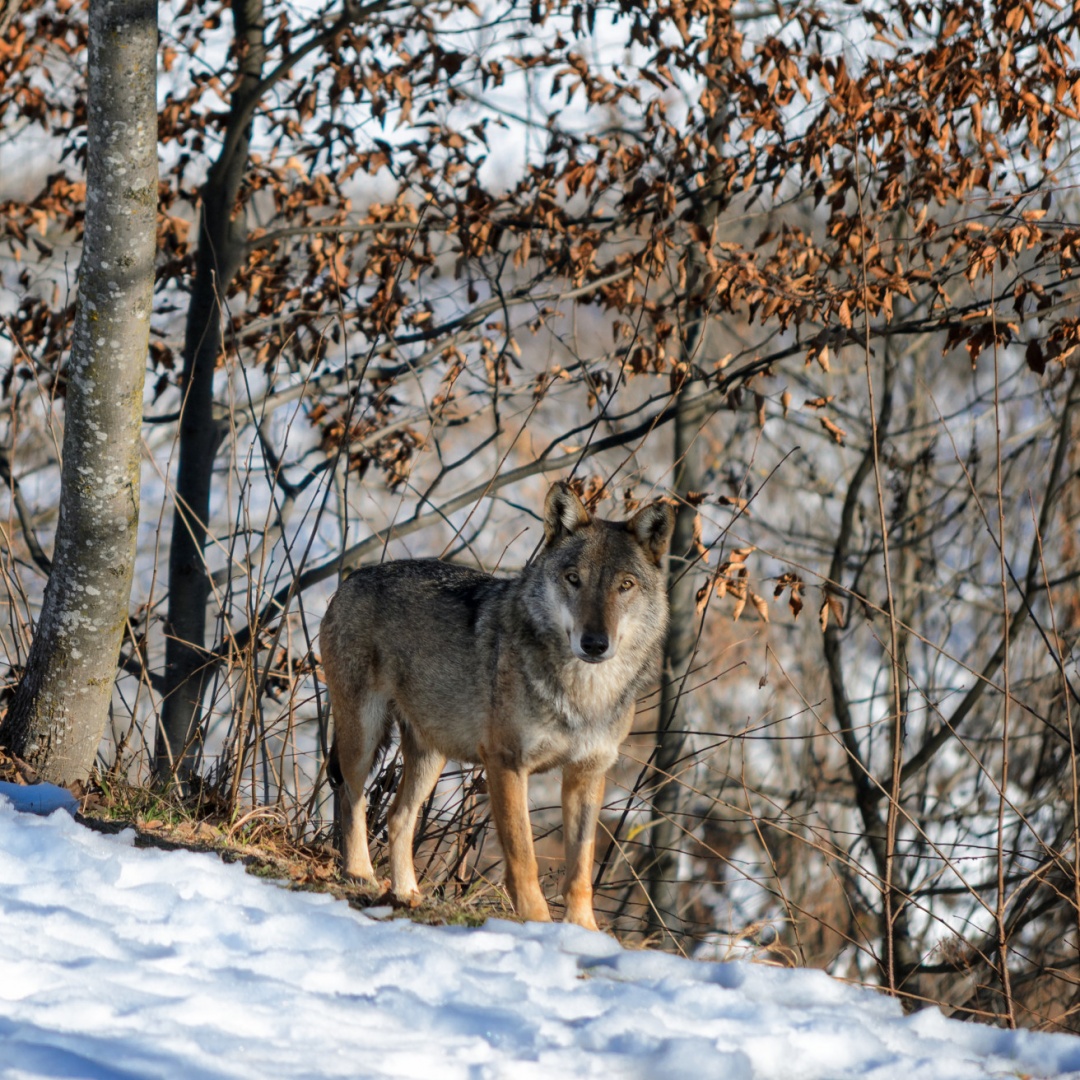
x=573, y=577
x=626, y=584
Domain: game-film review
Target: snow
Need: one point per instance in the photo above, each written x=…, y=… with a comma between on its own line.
x=120, y=962
x=38, y=798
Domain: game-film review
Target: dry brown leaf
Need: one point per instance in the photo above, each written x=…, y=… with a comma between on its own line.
x=837, y=609
x=739, y=504
x=701, y=598
x=702, y=550
x=795, y=603
x=837, y=432
x=760, y=605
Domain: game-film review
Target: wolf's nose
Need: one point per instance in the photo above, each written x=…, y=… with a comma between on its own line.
x=594, y=644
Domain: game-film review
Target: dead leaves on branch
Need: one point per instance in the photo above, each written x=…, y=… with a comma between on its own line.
x=907, y=155
x=731, y=580
x=793, y=585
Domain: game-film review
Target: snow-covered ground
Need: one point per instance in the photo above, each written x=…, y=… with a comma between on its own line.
x=118, y=963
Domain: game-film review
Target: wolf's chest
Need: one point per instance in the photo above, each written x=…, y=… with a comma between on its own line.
x=590, y=694
x=576, y=715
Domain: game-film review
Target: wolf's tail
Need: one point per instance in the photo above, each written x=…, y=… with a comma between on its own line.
x=333, y=767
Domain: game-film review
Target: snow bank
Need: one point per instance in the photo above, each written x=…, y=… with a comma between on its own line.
x=38, y=798
x=123, y=963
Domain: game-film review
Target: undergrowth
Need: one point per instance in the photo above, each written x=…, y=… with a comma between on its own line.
x=260, y=840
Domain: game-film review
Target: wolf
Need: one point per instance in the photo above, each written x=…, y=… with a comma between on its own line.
x=520, y=675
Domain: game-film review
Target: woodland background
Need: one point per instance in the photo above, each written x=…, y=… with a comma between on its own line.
x=807, y=269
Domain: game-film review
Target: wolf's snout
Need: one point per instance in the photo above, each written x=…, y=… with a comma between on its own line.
x=594, y=646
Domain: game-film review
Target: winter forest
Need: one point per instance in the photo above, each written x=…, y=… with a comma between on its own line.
x=364, y=277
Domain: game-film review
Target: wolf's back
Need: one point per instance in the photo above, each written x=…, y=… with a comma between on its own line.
x=422, y=634
x=419, y=596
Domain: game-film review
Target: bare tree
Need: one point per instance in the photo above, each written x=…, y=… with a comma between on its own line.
x=62, y=703
x=222, y=246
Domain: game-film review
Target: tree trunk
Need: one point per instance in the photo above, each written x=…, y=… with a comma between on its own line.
x=667, y=834
x=61, y=706
x=222, y=239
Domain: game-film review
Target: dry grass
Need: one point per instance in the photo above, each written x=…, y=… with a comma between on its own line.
x=260, y=840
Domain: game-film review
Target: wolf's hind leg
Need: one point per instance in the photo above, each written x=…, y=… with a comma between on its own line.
x=420, y=773
x=360, y=728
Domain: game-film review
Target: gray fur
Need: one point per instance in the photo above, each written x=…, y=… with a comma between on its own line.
x=522, y=674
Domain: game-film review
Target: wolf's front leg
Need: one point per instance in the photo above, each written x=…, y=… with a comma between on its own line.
x=509, y=792
x=582, y=794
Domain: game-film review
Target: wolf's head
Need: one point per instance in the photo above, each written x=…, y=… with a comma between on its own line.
x=604, y=579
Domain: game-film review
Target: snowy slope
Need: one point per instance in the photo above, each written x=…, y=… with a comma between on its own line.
x=117, y=962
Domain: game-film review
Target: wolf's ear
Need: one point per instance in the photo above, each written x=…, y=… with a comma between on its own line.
x=653, y=525
x=563, y=512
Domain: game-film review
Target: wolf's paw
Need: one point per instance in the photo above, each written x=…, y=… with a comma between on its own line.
x=579, y=906
x=361, y=875
x=535, y=910
x=411, y=898
x=584, y=918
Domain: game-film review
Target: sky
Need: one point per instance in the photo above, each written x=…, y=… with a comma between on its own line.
x=125, y=963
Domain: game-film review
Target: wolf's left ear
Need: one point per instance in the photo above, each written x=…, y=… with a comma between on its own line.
x=653, y=525
x=563, y=512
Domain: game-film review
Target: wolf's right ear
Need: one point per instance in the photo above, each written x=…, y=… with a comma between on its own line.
x=653, y=526
x=563, y=512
